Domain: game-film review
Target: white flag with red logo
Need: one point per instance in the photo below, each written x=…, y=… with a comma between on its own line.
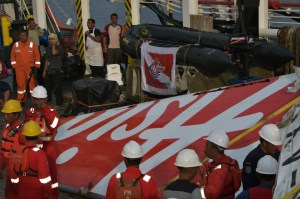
x=158, y=69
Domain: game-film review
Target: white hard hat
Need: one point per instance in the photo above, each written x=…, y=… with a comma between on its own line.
x=271, y=133
x=39, y=92
x=267, y=165
x=132, y=150
x=187, y=158
x=219, y=137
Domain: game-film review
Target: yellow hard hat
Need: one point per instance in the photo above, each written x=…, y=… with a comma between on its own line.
x=29, y=17
x=12, y=106
x=31, y=129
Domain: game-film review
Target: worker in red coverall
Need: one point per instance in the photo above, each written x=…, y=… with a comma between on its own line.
x=35, y=181
x=11, y=135
x=217, y=181
x=25, y=57
x=147, y=188
x=49, y=121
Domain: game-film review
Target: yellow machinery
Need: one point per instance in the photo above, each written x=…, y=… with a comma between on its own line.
x=5, y=24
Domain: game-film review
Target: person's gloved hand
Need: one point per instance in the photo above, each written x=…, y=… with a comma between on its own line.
x=34, y=69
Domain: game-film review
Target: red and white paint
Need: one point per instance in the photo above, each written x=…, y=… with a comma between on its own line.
x=90, y=145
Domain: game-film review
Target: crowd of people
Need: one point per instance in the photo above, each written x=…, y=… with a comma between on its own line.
x=28, y=152
x=220, y=178
x=27, y=63
x=28, y=157
x=98, y=44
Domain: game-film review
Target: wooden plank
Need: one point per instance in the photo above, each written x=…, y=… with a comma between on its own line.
x=202, y=22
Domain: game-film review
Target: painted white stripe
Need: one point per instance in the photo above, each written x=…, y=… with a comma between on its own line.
x=146, y=178
x=54, y=123
x=202, y=193
x=118, y=175
x=17, y=44
x=21, y=92
x=45, y=180
x=30, y=45
x=37, y=62
x=13, y=62
x=54, y=185
x=16, y=180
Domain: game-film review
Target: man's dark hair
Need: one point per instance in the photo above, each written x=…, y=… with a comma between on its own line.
x=92, y=20
x=24, y=31
x=113, y=15
x=134, y=161
x=31, y=138
x=263, y=140
x=267, y=177
x=30, y=20
x=217, y=146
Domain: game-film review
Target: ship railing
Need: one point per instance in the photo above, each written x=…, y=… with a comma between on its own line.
x=221, y=9
x=174, y=5
x=279, y=14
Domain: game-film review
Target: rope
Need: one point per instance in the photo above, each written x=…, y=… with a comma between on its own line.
x=96, y=106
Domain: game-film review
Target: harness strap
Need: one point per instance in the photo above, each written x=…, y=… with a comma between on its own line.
x=7, y=140
x=137, y=179
x=121, y=180
x=5, y=150
x=134, y=182
x=27, y=174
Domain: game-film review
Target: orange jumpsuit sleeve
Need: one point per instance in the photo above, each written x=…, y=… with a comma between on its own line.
x=37, y=57
x=13, y=57
x=52, y=117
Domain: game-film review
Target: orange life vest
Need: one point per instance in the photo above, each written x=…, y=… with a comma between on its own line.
x=234, y=171
x=9, y=138
x=19, y=162
x=128, y=188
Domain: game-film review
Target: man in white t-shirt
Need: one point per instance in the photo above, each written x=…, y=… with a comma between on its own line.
x=112, y=34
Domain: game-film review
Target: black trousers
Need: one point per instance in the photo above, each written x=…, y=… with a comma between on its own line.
x=55, y=82
x=113, y=56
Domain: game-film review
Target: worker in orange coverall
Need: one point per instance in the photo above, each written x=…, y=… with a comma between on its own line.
x=11, y=135
x=25, y=57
